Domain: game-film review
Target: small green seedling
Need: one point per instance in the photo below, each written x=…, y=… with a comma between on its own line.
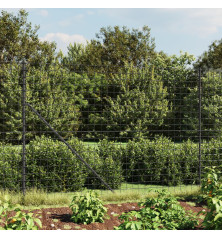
x=67, y=227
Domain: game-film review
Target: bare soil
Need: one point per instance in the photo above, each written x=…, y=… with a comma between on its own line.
x=59, y=218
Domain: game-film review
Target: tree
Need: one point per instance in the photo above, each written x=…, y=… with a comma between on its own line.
x=211, y=108
x=178, y=76
x=138, y=109
x=211, y=59
x=19, y=40
x=50, y=92
x=113, y=47
x=75, y=56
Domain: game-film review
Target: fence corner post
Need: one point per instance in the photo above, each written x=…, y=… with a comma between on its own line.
x=199, y=120
x=23, y=127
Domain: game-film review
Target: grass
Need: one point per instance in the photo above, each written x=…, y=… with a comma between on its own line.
x=94, y=145
x=35, y=199
x=138, y=192
x=87, y=144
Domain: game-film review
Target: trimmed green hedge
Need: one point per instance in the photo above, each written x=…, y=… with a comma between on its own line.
x=152, y=162
x=10, y=167
x=160, y=161
x=212, y=153
x=52, y=166
x=109, y=165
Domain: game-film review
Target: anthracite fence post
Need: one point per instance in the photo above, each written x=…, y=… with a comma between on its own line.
x=199, y=121
x=23, y=127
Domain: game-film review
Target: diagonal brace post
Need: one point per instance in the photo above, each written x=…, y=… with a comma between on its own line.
x=73, y=151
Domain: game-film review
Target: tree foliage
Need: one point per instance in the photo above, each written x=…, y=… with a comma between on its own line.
x=74, y=59
x=139, y=107
x=211, y=59
x=116, y=85
x=19, y=40
x=211, y=107
x=113, y=47
x=57, y=102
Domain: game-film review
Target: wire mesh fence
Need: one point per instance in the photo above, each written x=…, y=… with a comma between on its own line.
x=64, y=128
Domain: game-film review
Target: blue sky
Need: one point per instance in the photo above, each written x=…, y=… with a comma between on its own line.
x=189, y=30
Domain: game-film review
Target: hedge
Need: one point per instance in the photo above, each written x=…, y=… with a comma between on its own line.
x=52, y=166
x=10, y=167
x=152, y=162
x=109, y=165
x=161, y=162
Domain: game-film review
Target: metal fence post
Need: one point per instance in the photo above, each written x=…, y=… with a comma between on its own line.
x=199, y=121
x=23, y=127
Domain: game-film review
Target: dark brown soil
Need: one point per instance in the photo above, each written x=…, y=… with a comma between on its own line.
x=59, y=218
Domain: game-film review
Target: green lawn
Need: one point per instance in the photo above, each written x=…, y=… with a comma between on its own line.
x=87, y=144
x=95, y=144
x=127, y=193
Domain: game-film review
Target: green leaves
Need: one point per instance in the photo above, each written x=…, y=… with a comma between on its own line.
x=49, y=159
x=160, y=161
x=211, y=101
x=211, y=187
x=21, y=220
x=114, y=46
x=140, y=105
x=212, y=57
x=161, y=213
x=87, y=208
x=19, y=40
x=108, y=166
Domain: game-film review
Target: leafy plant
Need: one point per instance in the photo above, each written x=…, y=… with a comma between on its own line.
x=21, y=220
x=161, y=213
x=140, y=106
x=213, y=218
x=212, y=188
x=211, y=185
x=87, y=208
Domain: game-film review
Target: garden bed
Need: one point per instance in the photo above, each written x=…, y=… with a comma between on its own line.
x=60, y=218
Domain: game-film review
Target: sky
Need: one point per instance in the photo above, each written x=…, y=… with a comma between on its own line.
x=189, y=30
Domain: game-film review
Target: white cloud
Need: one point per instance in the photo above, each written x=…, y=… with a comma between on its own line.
x=43, y=13
x=90, y=13
x=63, y=40
x=197, y=21
x=210, y=16
x=116, y=12
x=64, y=23
x=201, y=22
x=67, y=22
x=79, y=17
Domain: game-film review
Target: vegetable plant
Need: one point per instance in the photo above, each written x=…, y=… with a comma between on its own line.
x=212, y=188
x=211, y=184
x=87, y=208
x=21, y=220
x=161, y=213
